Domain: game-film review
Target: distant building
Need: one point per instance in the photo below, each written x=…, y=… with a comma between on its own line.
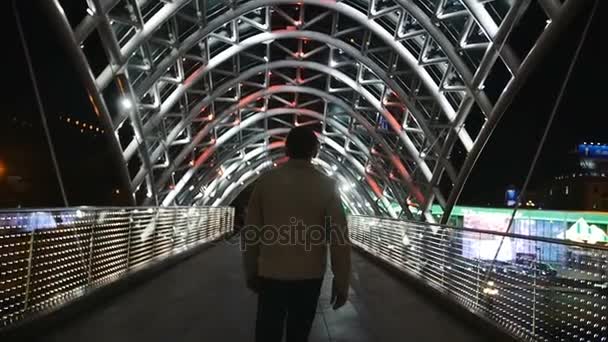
x=583, y=183
x=511, y=195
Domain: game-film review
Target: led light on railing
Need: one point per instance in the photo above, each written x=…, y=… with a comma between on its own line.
x=490, y=291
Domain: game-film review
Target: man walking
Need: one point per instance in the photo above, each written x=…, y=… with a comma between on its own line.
x=294, y=212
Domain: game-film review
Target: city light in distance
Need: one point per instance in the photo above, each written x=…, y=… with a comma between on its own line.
x=83, y=127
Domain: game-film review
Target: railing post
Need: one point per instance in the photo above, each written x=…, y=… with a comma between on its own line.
x=478, y=268
x=226, y=223
x=374, y=240
x=232, y=213
x=91, y=242
x=203, y=221
x=534, y=273
x=189, y=227
x=130, y=232
x=28, y=280
x=445, y=244
x=155, y=219
x=175, y=231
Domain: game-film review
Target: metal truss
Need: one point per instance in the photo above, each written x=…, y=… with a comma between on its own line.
x=396, y=90
x=345, y=166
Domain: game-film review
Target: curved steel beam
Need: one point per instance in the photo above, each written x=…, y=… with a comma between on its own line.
x=252, y=177
x=280, y=111
x=225, y=55
x=98, y=104
x=377, y=104
x=150, y=26
x=480, y=97
x=245, y=172
x=209, y=180
x=305, y=64
x=448, y=48
x=267, y=36
x=263, y=136
x=207, y=100
x=253, y=119
x=405, y=175
x=249, y=176
x=344, y=175
x=348, y=178
x=339, y=170
x=159, y=150
x=478, y=12
x=250, y=140
x=482, y=17
x=232, y=171
x=352, y=13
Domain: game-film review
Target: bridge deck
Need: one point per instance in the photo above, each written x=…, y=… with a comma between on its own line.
x=204, y=299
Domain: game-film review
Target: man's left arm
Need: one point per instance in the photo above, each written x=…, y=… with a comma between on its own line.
x=340, y=248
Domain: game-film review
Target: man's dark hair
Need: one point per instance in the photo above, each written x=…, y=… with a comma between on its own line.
x=301, y=143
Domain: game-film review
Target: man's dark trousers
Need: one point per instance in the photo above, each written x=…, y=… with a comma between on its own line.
x=286, y=303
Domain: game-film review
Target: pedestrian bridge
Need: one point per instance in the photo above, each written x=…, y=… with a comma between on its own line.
x=195, y=99
x=153, y=274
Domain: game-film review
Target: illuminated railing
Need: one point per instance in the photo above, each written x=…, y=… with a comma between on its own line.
x=536, y=289
x=50, y=257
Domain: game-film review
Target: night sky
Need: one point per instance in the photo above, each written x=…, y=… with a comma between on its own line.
x=90, y=173
x=88, y=168
x=580, y=118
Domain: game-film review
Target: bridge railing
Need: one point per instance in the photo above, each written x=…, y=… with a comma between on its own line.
x=49, y=257
x=534, y=288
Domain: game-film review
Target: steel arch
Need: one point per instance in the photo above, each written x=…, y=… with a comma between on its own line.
x=273, y=90
x=450, y=47
x=326, y=140
x=229, y=185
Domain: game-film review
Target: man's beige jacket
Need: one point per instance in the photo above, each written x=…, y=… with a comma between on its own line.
x=294, y=213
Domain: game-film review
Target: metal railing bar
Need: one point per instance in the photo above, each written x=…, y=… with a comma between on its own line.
x=511, y=235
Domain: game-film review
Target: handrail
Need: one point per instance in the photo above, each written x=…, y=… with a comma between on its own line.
x=512, y=235
x=84, y=207
x=541, y=290
x=66, y=253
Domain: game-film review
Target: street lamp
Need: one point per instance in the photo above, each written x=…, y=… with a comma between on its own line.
x=2, y=169
x=126, y=103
